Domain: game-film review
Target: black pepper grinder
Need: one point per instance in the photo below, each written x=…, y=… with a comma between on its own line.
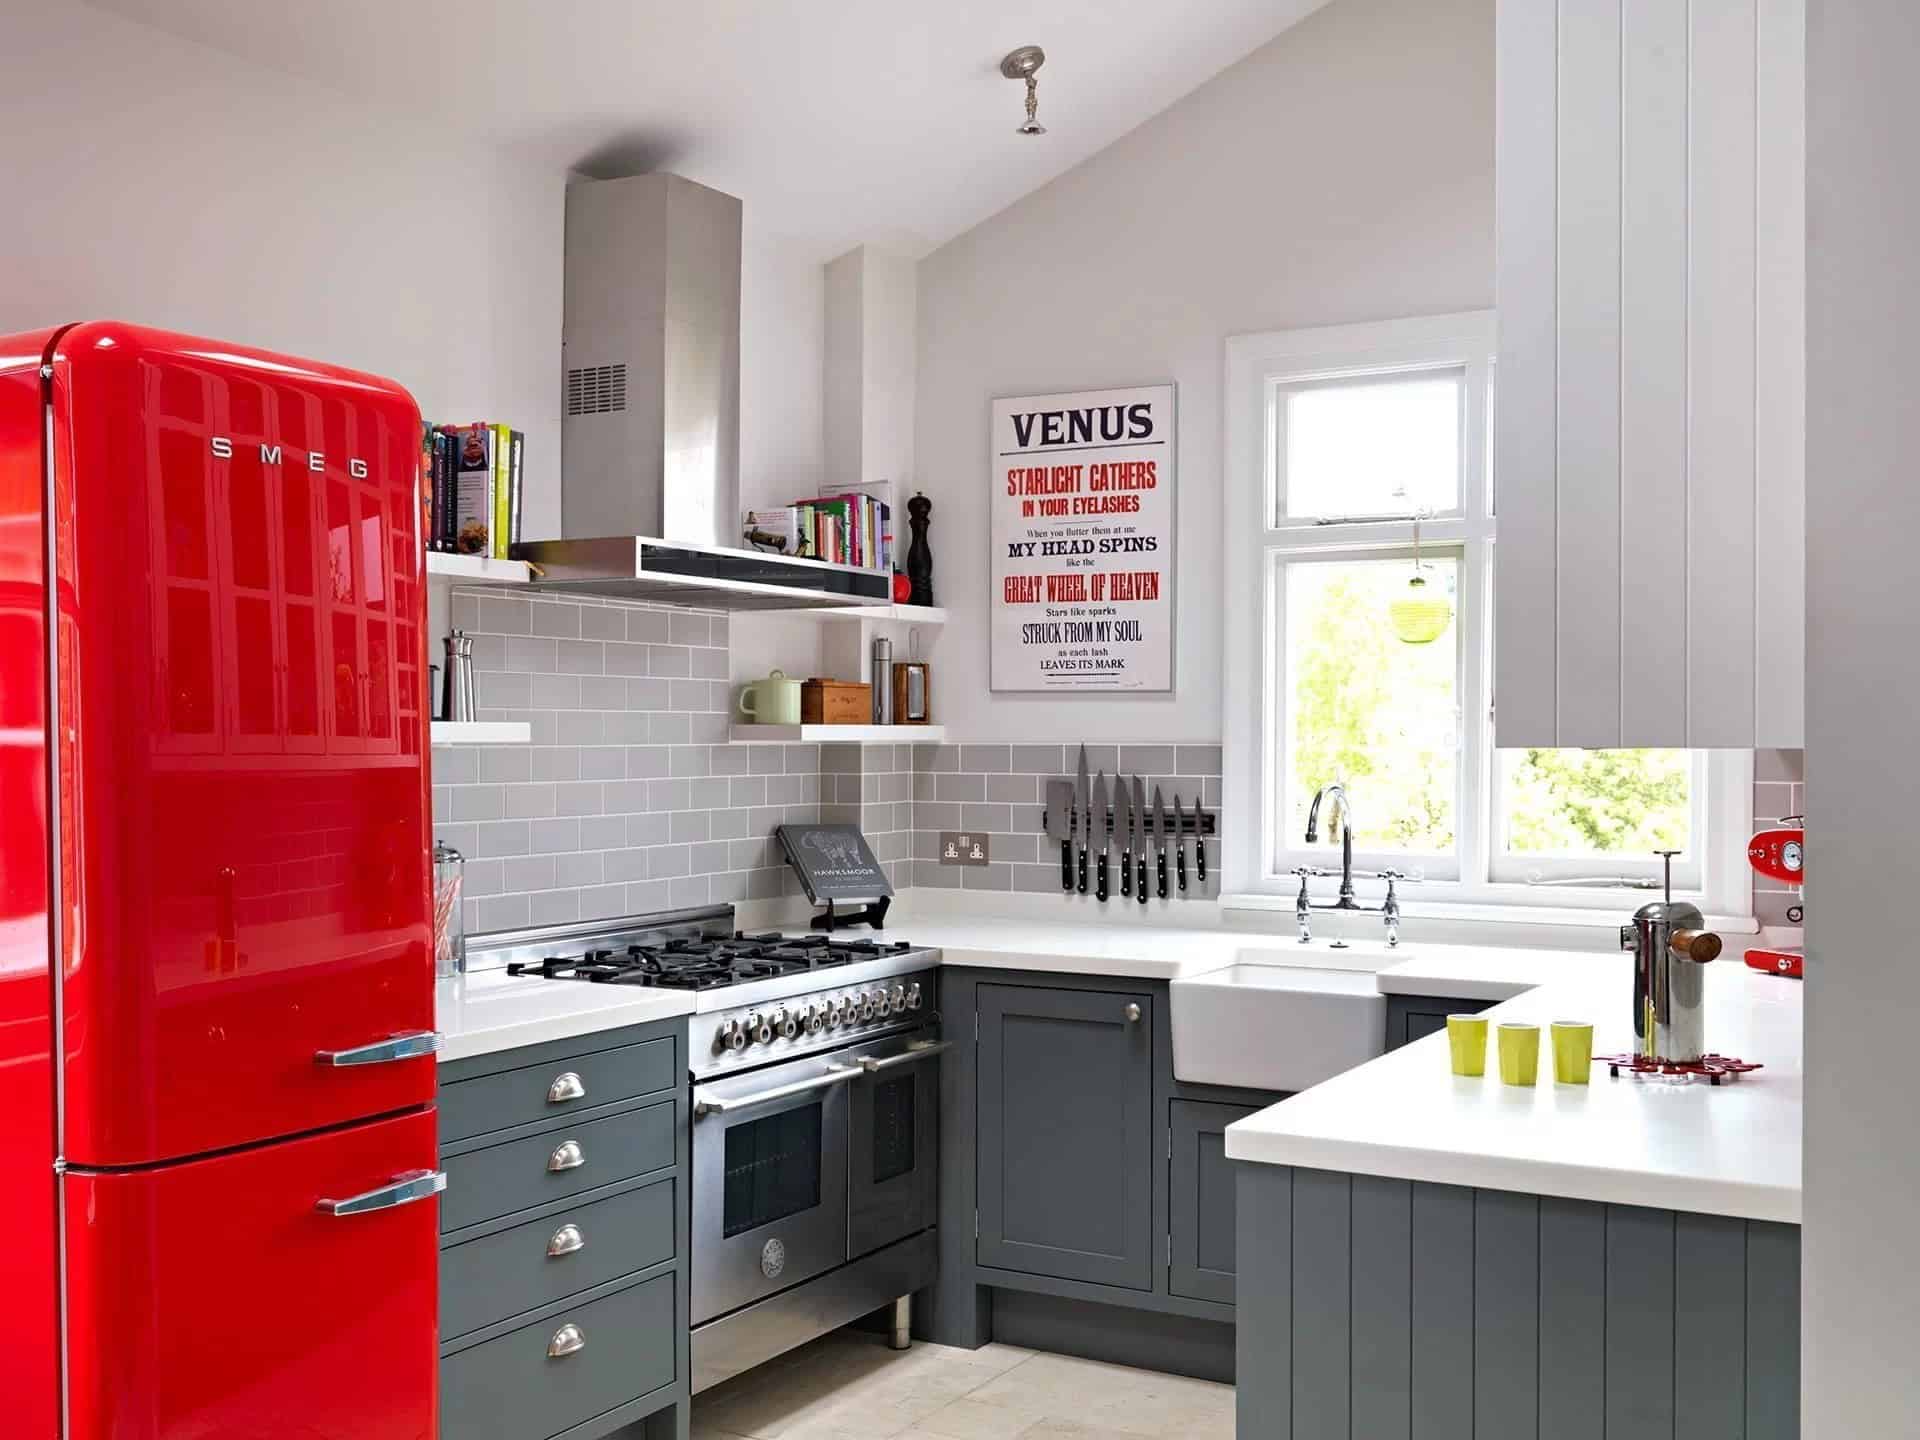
x=919, y=556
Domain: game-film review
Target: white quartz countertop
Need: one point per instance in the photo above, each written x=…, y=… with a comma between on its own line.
x=488, y=1010
x=1731, y=1149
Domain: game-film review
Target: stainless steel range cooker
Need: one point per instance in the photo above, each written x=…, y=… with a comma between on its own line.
x=815, y=1087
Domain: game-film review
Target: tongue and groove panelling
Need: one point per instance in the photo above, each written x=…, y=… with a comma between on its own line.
x=1373, y=1308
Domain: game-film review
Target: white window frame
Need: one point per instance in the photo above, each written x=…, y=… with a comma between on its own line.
x=1260, y=541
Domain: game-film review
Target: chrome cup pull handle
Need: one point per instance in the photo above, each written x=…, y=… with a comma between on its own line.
x=565, y=1087
x=567, y=1340
x=566, y=1156
x=566, y=1240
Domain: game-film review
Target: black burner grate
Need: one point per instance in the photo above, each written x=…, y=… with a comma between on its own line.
x=700, y=964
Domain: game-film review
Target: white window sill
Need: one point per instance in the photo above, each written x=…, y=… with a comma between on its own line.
x=1593, y=920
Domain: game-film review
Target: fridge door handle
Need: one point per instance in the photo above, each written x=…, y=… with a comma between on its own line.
x=405, y=1189
x=410, y=1046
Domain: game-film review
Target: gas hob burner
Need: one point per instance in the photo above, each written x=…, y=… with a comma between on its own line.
x=694, y=963
x=1711, y=1068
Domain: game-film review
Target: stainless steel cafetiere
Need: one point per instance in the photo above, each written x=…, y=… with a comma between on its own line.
x=1670, y=945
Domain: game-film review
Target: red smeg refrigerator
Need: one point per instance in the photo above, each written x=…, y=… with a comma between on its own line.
x=217, y=1154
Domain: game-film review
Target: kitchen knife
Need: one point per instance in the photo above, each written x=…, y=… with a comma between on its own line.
x=1180, y=844
x=1160, y=838
x=1103, y=828
x=1083, y=817
x=1200, y=841
x=1123, y=826
x=1140, y=839
x=1060, y=827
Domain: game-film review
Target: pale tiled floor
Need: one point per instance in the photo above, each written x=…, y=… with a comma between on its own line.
x=849, y=1386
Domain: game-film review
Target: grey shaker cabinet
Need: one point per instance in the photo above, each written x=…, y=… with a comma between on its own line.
x=1414, y=1017
x=1065, y=1091
x=1200, y=1203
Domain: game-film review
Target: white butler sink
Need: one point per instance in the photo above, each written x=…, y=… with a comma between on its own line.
x=1274, y=1027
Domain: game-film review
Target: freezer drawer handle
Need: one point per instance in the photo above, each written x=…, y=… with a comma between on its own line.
x=565, y=1087
x=567, y=1340
x=410, y=1046
x=565, y=1241
x=566, y=1156
x=405, y=1189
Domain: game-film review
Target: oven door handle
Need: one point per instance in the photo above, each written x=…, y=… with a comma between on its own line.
x=920, y=1050
x=727, y=1105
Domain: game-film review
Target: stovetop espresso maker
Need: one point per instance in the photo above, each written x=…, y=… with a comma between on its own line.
x=1670, y=944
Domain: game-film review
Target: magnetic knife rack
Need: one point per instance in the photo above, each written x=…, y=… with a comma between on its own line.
x=1207, y=826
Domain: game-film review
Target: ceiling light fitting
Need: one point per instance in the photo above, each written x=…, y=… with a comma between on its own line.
x=1022, y=64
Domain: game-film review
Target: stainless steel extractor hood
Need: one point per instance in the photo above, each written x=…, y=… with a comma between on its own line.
x=650, y=434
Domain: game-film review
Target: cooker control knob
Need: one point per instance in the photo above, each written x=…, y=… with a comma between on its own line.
x=786, y=1023
x=761, y=1030
x=913, y=996
x=729, y=1037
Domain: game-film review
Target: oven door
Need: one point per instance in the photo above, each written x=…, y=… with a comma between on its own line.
x=893, y=1142
x=769, y=1180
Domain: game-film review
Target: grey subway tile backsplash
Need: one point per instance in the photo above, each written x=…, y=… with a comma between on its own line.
x=631, y=797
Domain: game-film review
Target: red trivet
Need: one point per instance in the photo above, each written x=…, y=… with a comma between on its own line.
x=1714, y=1068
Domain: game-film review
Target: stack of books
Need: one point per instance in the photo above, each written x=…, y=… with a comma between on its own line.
x=471, y=487
x=850, y=529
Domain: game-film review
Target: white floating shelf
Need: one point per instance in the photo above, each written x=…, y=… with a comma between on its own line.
x=481, y=732
x=851, y=734
x=900, y=614
x=477, y=569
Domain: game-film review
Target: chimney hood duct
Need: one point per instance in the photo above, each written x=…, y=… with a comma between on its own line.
x=650, y=429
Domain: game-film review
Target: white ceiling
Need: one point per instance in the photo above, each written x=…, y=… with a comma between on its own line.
x=837, y=121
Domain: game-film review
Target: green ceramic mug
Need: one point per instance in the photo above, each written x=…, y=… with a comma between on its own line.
x=772, y=701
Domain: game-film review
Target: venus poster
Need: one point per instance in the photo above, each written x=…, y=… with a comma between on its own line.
x=1082, y=500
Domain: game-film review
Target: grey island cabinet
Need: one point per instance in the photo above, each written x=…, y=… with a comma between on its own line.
x=563, y=1299
x=1087, y=1204
x=1374, y=1308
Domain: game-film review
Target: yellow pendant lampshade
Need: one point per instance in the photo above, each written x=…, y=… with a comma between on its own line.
x=1420, y=614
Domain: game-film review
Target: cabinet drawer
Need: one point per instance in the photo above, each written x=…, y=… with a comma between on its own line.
x=511, y=1388
x=555, y=1088
x=523, y=1173
x=544, y=1260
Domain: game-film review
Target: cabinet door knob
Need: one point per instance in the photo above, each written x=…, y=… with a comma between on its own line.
x=567, y=1340
x=566, y=1086
x=1133, y=1013
x=565, y=1241
x=566, y=1156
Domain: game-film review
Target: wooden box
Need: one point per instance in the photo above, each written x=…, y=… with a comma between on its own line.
x=836, y=702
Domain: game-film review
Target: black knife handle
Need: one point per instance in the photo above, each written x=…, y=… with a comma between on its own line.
x=1200, y=858
x=1101, y=893
x=1083, y=870
x=1163, y=872
x=1180, y=863
x=1126, y=872
x=1140, y=886
x=1066, y=865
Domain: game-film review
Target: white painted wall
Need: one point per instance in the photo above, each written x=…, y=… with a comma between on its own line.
x=1862, y=1248
x=1343, y=172
x=152, y=180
